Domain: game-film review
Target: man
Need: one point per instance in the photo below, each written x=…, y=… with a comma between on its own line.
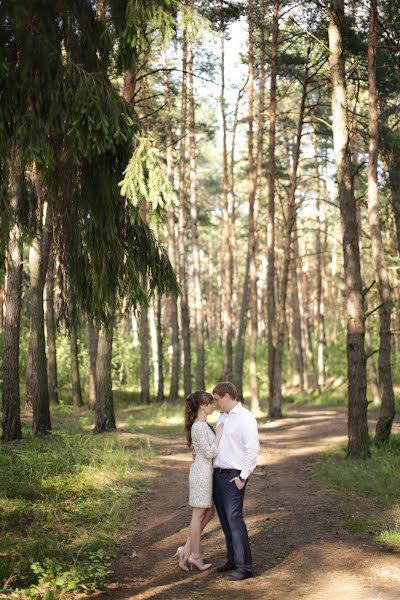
x=234, y=463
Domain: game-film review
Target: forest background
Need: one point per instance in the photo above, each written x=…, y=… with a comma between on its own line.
x=191, y=192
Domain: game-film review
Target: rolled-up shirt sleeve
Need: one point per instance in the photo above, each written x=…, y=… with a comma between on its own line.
x=251, y=447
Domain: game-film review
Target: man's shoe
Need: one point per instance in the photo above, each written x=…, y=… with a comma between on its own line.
x=237, y=575
x=226, y=567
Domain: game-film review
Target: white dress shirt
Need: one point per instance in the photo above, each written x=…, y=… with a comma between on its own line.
x=239, y=445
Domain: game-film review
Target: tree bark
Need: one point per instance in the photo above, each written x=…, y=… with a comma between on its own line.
x=255, y=403
x=271, y=274
x=11, y=422
x=160, y=388
x=198, y=300
x=275, y=411
x=75, y=377
x=51, y=331
x=305, y=320
x=373, y=382
x=232, y=209
x=144, y=356
x=240, y=342
x=387, y=412
x=228, y=250
x=296, y=324
x=1, y=308
x=356, y=358
x=173, y=302
x=320, y=275
x=185, y=314
x=37, y=393
x=153, y=338
x=93, y=335
x=105, y=415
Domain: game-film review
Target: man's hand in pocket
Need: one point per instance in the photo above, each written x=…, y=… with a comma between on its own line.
x=239, y=484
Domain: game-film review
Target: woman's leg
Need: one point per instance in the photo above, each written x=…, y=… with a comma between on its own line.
x=208, y=515
x=195, y=529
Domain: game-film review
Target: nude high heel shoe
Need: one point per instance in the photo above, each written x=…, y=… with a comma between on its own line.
x=199, y=563
x=179, y=552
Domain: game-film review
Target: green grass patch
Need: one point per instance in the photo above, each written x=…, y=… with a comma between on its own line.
x=330, y=398
x=354, y=524
x=334, y=396
x=153, y=419
x=377, y=477
x=389, y=538
x=64, y=498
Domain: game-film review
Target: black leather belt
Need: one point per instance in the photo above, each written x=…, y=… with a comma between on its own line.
x=219, y=470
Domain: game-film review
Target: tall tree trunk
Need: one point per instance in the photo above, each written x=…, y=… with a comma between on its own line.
x=240, y=341
x=356, y=358
x=232, y=209
x=173, y=302
x=105, y=415
x=271, y=274
x=93, y=335
x=373, y=382
x=276, y=408
x=255, y=403
x=198, y=300
x=154, y=349
x=387, y=412
x=135, y=329
x=219, y=304
x=75, y=376
x=296, y=324
x=184, y=300
x=11, y=422
x=211, y=304
x=320, y=275
x=1, y=308
x=144, y=355
x=305, y=325
x=261, y=113
x=37, y=393
x=228, y=249
x=160, y=389
x=51, y=331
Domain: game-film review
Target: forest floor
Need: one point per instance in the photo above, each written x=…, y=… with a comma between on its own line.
x=301, y=545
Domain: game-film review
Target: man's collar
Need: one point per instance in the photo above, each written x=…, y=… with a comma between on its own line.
x=236, y=409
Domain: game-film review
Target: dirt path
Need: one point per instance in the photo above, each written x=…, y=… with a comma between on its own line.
x=301, y=548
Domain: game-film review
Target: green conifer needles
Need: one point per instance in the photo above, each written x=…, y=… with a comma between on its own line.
x=144, y=178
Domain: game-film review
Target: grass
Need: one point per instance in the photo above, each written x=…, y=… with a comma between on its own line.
x=377, y=477
x=357, y=524
x=330, y=398
x=64, y=498
x=333, y=396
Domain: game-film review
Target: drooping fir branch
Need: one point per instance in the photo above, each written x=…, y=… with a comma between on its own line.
x=144, y=178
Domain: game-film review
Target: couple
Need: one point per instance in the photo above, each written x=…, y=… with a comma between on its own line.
x=223, y=461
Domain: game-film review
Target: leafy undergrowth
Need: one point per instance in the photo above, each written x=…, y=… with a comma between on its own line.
x=377, y=477
x=64, y=498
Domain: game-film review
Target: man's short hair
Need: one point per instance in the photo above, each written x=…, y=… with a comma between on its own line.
x=225, y=387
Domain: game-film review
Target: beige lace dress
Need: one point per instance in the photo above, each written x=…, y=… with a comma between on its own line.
x=201, y=470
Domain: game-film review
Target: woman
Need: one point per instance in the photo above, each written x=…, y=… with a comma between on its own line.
x=204, y=442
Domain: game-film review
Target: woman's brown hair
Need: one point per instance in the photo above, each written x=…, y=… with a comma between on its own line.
x=192, y=405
